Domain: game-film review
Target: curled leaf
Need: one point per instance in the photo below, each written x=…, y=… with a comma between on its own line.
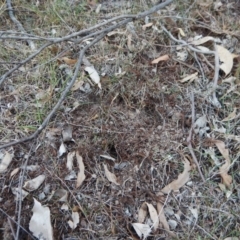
x=183, y=178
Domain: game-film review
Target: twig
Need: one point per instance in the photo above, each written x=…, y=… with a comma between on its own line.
x=84, y=33
x=17, y=223
x=19, y=201
x=215, y=53
x=189, y=139
x=19, y=25
x=100, y=34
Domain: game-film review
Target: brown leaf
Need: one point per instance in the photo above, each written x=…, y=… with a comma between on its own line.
x=142, y=213
x=182, y=179
x=227, y=179
x=68, y=61
x=231, y=116
x=110, y=176
x=144, y=27
x=163, y=220
x=153, y=215
x=81, y=175
x=162, y=58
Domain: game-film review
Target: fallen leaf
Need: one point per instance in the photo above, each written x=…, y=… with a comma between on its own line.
x=231, y=116
x=64, y=207
x=142, y=230
x=162, y=217
x=93, y=75
x=34, y=184
x=110, y=176
x=70, y=157
x=190, y=78
x=205, y=3
x=40, y=223
x=162, y=58
x=183, y=178
x=142, y=213
x=77, y=85
x=153, y=215
x=226, y=58
x=223, y=170
x=144, y=27
x=62, y=150
x=68, y=61
x=14, y=172
x=202, y=40
x=7, y=159
x=75, y=220
x=181, y=32
x=81, y=175
x=19, y=193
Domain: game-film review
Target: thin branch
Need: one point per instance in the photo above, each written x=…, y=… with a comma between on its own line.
x=87, y=32
x=215, y=53
x=189, y=139
x=17, y=223
x=100, y=34
x=19, y=25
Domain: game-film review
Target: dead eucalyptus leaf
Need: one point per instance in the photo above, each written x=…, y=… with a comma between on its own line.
x=70, y=157
x=163, y=220
x=142, y=213
x=183, y=178
x=223, y=170
x=145, y=26
x=81, y=175
x=202, y=40
x=14, y=172
x=75, y=220
x=34, y=184
x=93, y=75
x=7, y=159
x=162, y=58
x=40, y=223
x=181, y=32
x=190, y=78
x=231, y=116
x=110, y=176
x=226, y=58
x=68, y=61
x=153, y=215
x=142, y=230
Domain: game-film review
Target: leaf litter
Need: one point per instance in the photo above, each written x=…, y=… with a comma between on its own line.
x=103, y=123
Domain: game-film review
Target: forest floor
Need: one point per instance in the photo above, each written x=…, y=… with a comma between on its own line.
x=116, y=161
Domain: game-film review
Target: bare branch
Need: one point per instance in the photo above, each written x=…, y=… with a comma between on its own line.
x=19, y=25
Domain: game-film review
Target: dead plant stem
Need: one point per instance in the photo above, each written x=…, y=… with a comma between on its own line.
x=189, y=139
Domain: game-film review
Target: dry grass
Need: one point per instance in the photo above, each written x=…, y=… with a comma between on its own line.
x=141, y=117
